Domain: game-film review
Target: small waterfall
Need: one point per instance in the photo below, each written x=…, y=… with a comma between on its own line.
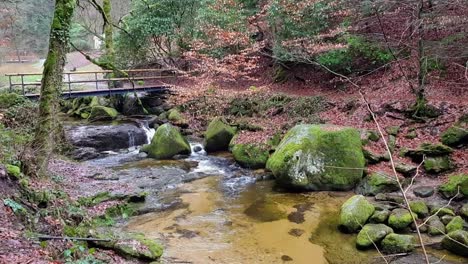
x=131, y=140
x=197, y=149
x=149, y=131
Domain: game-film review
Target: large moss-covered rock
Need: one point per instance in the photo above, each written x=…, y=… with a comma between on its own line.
x=457, y=223
x=252, y=156
x=377, y=182
x=455, y=182
x=400, y=218
x=176, y=117
x=420, y=208
x=395, y=243
x=372, y=234
x=354, y=213
x=455, y=136
x=318, y=157
x=438, y=164
x=218, y=135
x=100, y=113
x=430, y=150
x=456, y=242
x=167, y=142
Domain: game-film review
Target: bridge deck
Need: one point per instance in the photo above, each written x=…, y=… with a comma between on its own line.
x=105, y=92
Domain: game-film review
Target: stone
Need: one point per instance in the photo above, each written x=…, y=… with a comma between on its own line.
x=354, y=213
x=420, y=208
x=423, y=191
x=372, y=234
x=375, y=183
x=406, y=170
x=446, y=219
x=435, y=226
x=395, y=243
x=106, y=137
x=379, y=216
x=389, y=197
x=391, y=142
x=167, y=143
x=455, y=136
x=176, y=117
x=218, y=135
x=455, y=182
x=372, y=135
x=438, y=164
x=102, y=113
x=372, y=158
x=441, y=211
x=393, y=130
x=457, y=223
x=430, y=150
x=464, y=210
x=318, y=157
x=252, y=156
x=456, y=242
x=86, y=153
x=400, y=219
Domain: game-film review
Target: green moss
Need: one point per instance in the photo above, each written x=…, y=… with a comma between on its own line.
x=435, y=226
x=373, y=135
x=419, y=208
x=400, y=218
x=457, y=223
x=428, y=149
x=13, y=170
x=379, y=216
x=8, y=100
x=456, y=242
x=375, y=183
x=354, y=213
x=218, y=135
x=102, y=113
x=395, y=243
x=175, y=116
x=372, y=234
x=441, y=211
x=393, y=130
x=438, y=164
x=450, y=188
x=253, y=156
x=411, y=135
x=455, y=136
x=167, y=142
x=318, y=157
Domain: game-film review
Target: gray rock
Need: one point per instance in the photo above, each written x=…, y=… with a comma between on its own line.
x=436, y=227
x=406, y=169
x=423, y=191
x=456, y=242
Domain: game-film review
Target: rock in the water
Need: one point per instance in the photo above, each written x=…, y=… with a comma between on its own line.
x=438, y=164
x=400, y=218
x=102, y=113
x=406, y=169
x=423, y=191
x=372, y=234
x=375, y=183
x=395, y=243
x=420, y=208
x=252, y=156
x=455, y=136
x=435, y=226
x=379, y=216
x=354, y=213
x=457, y=223
x=456, y=242
x=167, y=143
x=455, y=183
x=108, y=137
x=318, y=157
x=266, y=211
x=218, y=135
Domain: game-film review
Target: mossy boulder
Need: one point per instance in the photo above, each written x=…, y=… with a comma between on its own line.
x=464, y=210
x=218, y=135
x=377, y=182
x=455, y=136
x=395, y=243
x=435, y=226
x=455, y=183
x=354, y=213
x=373, y=158
x=252, y=156
x=372, y=234
x=379, y=216
x=175, y=116
x=457, y=223
x=420, y=208
x=102, y=113
x=456, y=242
x=441, y=211
x=400, y=218
x=407, y=170
x=428, y=149
x=438, y=164
x=167, y=142
x=318, y=157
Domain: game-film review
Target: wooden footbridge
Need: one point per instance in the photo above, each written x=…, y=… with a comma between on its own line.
x=94, y=83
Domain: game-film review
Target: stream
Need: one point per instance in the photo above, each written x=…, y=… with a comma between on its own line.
x=206, y=209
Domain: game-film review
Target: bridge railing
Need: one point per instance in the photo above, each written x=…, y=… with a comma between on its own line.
x=27, y=80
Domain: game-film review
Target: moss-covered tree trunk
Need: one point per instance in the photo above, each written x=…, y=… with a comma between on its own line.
x=108, y=30
x=48, y=127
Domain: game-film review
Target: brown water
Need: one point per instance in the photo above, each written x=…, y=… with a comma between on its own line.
x=256, y=225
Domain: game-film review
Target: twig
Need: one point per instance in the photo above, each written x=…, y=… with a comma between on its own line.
x=440, y=209
x=415, y=175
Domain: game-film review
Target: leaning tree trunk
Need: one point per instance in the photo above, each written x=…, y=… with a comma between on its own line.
x=48, y=128
x=108, y=30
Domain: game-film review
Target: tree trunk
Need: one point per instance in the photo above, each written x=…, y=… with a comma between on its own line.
x=48, y=128
x=108, y=30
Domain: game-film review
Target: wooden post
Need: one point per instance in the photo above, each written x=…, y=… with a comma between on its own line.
x=69, y=85
x=22, y=84
x=96, y=78
x=11, y=84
